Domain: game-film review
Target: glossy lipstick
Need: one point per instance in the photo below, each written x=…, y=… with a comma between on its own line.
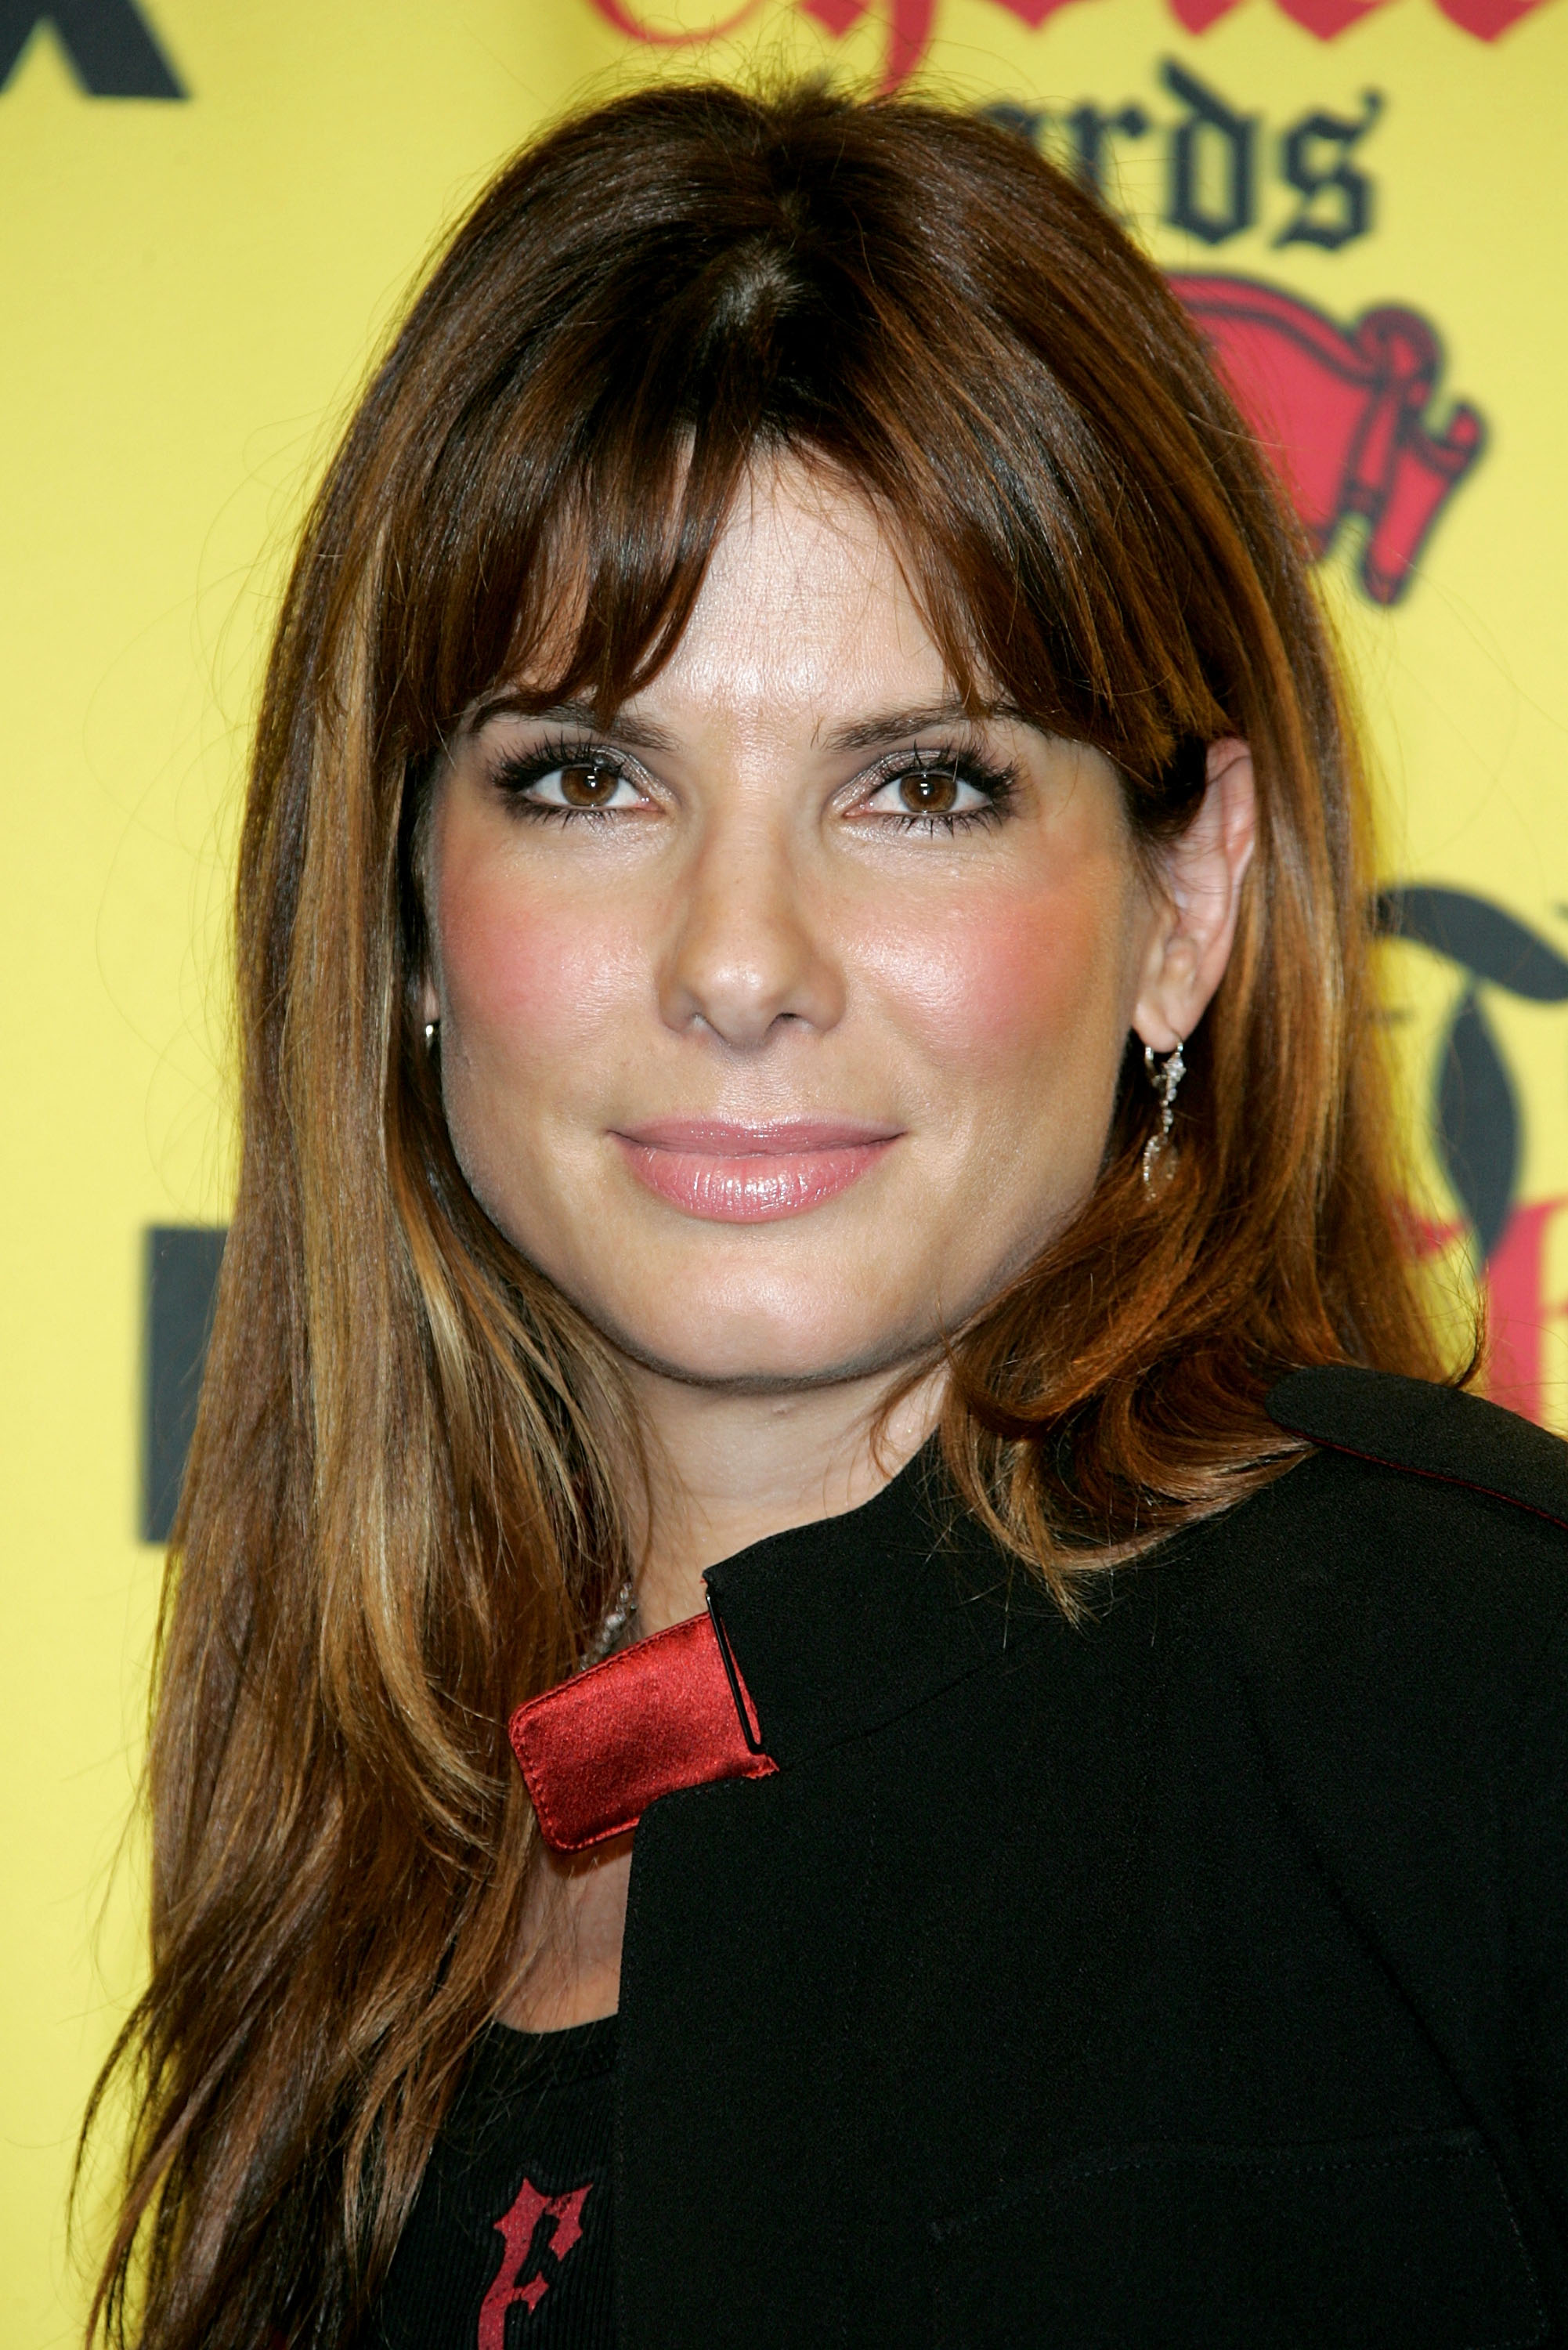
x=751, y=1174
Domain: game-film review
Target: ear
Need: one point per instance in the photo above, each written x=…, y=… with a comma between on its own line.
x=1195, y=927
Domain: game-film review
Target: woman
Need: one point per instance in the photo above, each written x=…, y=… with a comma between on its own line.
x=814, y=1143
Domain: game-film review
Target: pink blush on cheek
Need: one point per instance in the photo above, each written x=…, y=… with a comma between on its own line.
x=1022, y=974
x=528, y=972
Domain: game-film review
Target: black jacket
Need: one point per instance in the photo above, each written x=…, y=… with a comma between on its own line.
x=1196, y=1978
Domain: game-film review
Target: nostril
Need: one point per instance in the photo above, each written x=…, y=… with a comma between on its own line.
x=738, y=978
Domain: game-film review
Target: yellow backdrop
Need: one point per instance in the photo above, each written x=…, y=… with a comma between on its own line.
x=214, y=211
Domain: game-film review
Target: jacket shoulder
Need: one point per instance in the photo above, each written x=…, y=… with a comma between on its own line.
x=1420, y=1553
x=1420, y=1550
x=1400, y=1622
x=1434, y=1433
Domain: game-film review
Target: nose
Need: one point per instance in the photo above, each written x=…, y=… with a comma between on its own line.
x=749, y=948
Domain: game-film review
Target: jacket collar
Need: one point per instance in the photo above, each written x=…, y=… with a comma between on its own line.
x=821, y=1634
x=811, y=1638
x=841, y=1626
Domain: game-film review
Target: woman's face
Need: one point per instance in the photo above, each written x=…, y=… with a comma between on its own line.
x=781, y=1019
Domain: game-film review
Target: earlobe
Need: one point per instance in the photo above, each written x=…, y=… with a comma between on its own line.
x=1204, y=871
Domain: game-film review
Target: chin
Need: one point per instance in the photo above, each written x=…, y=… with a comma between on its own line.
x=758, y=1352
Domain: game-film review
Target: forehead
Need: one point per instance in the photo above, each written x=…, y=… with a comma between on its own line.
x=805, y=609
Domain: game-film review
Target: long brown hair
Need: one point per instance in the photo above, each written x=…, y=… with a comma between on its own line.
x=404, y=1510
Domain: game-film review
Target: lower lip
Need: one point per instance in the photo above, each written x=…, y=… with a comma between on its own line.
x=755, y=1187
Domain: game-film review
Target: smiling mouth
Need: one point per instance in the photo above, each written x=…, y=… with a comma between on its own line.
x=730, y=1174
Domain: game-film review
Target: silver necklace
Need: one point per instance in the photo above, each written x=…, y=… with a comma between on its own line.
x=611, y=1634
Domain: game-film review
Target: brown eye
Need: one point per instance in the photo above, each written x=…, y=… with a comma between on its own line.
x=931, y=799
x=587, y=785
x=928, y=791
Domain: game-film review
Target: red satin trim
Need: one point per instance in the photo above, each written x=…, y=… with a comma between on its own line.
x=596, y=1751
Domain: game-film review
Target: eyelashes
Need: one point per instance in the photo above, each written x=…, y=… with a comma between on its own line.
x=930, y=786
x=950, y=790
x=590, y=776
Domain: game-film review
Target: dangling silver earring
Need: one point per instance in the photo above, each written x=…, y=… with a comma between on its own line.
x=1164, y=1076
x=431, y=1027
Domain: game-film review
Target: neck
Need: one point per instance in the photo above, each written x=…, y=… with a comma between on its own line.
x=728, y=1469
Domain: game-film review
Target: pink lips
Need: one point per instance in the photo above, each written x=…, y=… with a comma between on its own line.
x=751, y=1174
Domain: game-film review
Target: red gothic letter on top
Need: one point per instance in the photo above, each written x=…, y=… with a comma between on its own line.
x=910, y=22
x=516, y=2229
x=658, y=37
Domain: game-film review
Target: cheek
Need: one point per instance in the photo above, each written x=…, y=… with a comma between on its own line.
x=1024, y=980
x=528, y=980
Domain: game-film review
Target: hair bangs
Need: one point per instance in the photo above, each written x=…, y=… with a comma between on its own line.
x=558, y=537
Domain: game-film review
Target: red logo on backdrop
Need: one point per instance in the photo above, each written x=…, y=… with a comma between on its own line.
x=910, y=22
x=1342, y=410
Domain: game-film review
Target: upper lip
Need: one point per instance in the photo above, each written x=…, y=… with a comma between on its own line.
x=714, y=1137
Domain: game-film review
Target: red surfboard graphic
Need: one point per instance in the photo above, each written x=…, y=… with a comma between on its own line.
x=1342, y=410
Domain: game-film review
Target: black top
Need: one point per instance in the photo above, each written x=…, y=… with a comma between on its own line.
x=1196, y=1976
x=509, y=2247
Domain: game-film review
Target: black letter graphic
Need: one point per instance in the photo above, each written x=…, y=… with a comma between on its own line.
x=182, y=1262
x=1025, y=122
x=110, y=45
x=1475, y=1113
x=1349, y=191
x=1210, y=120
x=1090, y=131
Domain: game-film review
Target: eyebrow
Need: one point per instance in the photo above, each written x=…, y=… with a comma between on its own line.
x=891, y=725
x=639, y=734
x=636, y=733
